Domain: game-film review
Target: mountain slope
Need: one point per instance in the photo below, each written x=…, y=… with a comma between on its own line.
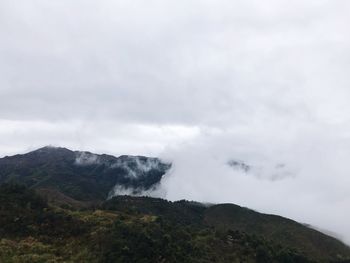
x=272, y=227
x=75, y=223
x=143, y=229
x=83, y=176
x=230, y=219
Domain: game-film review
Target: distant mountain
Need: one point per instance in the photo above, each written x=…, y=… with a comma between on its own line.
x=239, y=165
x=266, y=171
x=82, y=176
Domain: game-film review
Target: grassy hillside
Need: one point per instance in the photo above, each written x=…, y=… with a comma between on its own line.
x=130, y=229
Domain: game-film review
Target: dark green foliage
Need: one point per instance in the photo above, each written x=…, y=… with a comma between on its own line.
x=58, y=169
x=14, y=196
x=275, y=228
x=24, y=213
x=180, y=212
x=130, y=229
x=151, y=242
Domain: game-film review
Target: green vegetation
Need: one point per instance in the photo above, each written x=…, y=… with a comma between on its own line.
x=57, y=169
x=130, y=229
x=282, y=230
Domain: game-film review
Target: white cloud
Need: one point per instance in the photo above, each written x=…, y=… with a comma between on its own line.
x=101, y=137
x=317, y=192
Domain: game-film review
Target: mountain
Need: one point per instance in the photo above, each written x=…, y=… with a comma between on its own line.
x=282, y=230
x=81, y=176
x=148, y=230
x=56, y=206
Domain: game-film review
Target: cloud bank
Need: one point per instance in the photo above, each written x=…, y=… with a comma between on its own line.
x=311, y=187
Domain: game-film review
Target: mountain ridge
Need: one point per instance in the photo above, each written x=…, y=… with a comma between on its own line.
x=73, y=186
x=82, y=175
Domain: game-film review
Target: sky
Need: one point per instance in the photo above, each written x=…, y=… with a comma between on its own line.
x=198, y=83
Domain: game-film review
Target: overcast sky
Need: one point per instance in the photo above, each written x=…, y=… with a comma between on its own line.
x=195, y=82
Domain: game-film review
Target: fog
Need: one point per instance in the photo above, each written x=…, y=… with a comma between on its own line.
x=312, y=185
x=198, y=83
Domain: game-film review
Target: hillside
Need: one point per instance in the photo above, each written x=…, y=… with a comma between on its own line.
x=272, y=227
x=82, y=176
x=143, y=229
x=54, y=207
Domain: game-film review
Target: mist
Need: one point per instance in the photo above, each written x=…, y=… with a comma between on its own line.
x=305, y=178
x=197, y=83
